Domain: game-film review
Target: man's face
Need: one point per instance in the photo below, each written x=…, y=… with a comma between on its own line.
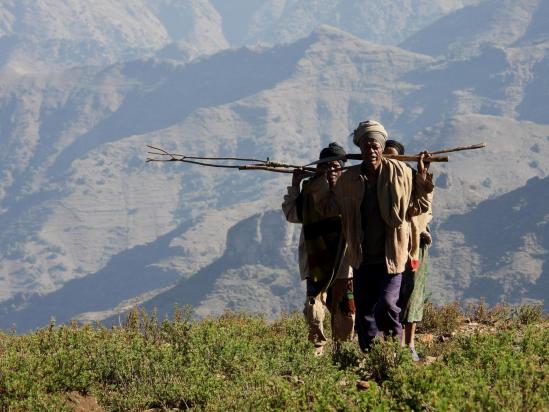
x=371, y=151
x=332, y=167
x=332, y=170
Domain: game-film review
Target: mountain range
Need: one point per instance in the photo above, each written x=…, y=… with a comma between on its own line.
x=46, y=35
x=88, y=229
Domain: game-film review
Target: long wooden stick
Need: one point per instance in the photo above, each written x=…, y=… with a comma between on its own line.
x=280, y=167
x=271, y=169
x=260, y=165
x=181, y=157
x=402, y=158
x=194, y=162
x=239, y=167
x=164, y=153
x=415, y=158
x=459, y=149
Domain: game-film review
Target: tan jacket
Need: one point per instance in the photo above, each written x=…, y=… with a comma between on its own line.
x=400, y=197
x=290, y=211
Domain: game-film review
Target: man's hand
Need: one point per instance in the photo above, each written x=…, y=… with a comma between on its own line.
x=423, y=177
x=424, y=162
x=298, y=175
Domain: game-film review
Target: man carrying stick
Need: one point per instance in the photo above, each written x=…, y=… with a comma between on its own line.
x=376, y=200
x=321, y=253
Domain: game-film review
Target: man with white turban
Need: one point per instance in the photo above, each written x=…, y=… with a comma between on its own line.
x=376, y=200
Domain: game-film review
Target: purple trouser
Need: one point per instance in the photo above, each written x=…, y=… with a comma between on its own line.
x=376, y=294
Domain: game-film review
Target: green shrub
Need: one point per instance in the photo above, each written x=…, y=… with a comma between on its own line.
x=440, y=320
x=384, y=360
x=480, y=312
x=242, y=362
x=528, y=314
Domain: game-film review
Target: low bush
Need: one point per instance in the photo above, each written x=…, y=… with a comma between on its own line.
x=242, y=362
x=440, y=320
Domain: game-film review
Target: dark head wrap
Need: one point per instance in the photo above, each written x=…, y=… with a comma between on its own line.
x=396, y=145
x=333, y=150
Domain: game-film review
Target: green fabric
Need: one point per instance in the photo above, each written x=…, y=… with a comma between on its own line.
x=412, y=289
x=323, y=242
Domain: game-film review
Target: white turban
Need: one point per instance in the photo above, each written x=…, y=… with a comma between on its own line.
x=370, y=129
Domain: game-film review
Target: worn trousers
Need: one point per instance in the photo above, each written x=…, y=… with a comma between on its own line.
x=342, y=322
x=376, y=296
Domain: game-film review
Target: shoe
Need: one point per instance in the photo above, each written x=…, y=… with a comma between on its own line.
x=319, y=351
x=415, y=356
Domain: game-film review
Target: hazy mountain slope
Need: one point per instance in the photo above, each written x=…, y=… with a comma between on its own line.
x=512, y=244
x=48, y=35
x=44, y=34
x=516, y=152
x=128, y=278
x=84, y=185
x=194, y=26
x=536, y=93
x=537, y=31
x=86, y=194
x=275, y=21
x=491, y=22
x=499, y=68
x=84, y=204
x=255, y=274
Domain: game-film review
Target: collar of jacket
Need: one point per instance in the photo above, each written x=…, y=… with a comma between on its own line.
x=357, y=172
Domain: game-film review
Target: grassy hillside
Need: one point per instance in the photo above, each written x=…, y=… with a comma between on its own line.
x=476, y=359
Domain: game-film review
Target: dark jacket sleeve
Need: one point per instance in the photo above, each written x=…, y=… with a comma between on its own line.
x=293, y=205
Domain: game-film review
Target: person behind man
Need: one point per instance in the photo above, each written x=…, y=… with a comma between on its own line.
x=412, y=289
x=376, y=200
x=321, y=254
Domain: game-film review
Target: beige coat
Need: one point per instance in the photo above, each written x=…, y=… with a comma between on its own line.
x=290, y=211
x=400, y=197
